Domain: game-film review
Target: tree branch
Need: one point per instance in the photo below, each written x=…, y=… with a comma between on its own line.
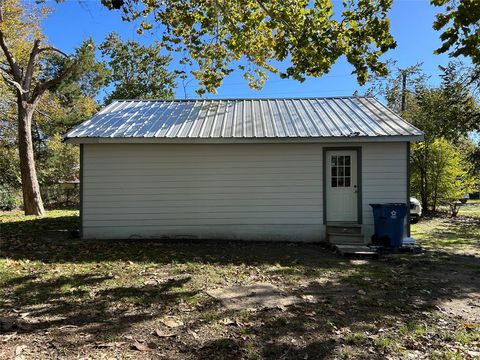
x=45, y=85
x=6, y=77
x=53, y=49
x=27, y=79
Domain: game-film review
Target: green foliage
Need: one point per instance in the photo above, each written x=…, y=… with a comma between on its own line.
x=474, y=159
x=31, y=68
x=10, y=198
x=460, y=24
x=137, y=71
x=71, y=101
x=439, y=173
x=9, y=167
x=309, y=34
x=54, y=117
x=86, y=78
x=442, y=169
x=62, y=162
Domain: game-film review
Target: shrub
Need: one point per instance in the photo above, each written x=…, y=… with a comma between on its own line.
x=10, y=198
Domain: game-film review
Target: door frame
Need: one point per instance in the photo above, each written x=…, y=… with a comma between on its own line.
x=358, y=150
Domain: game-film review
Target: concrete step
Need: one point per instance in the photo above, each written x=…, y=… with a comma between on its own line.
x=345, y=238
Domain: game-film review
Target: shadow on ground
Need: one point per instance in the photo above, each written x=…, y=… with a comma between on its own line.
x=96, y=297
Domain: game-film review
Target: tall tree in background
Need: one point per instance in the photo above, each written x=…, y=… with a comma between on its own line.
x=137, y=71
x=30, y=68
x=309, y=34
x=448, y=113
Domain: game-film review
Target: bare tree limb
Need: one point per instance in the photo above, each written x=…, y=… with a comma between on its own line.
x=43, y=114
x=41, y=87
x=18, y=86
x=53, y=49
x=27, y=79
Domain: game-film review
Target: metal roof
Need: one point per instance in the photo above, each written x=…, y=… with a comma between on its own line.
x=305, y=118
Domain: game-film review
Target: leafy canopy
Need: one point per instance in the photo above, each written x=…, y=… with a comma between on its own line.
x=217, y=34
x=450, y=110
x=440, y=170
x=57, y=88
x=137, y=71
x=460, y=24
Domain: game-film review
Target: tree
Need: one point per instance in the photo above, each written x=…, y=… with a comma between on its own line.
x=461, y=28
x=216, y=35
x=30, y=68
x=447, y=174
x=448, y=112
x=137, y=71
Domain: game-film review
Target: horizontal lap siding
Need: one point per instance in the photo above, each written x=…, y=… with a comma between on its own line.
x=254, y=191
x=384, y=178
x=271, y=191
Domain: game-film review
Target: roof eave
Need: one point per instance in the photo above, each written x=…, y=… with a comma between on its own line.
x=241, y=140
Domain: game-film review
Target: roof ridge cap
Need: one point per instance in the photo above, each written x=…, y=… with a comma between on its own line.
x=248, y=99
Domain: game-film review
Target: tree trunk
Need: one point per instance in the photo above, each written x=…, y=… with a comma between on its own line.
x=32, y=200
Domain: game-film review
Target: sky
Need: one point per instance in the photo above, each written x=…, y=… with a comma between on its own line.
x=411, y=25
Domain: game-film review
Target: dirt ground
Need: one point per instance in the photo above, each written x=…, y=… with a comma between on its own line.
x=64, y=298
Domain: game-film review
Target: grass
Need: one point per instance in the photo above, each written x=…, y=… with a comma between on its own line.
x=471, y=208
x=459, y=235
x=70, y=298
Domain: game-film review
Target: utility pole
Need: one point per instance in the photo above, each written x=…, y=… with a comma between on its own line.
x=404, y=73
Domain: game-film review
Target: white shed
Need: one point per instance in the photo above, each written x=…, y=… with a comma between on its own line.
x=252, y=169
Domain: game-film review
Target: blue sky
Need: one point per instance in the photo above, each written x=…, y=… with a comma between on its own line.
x=411, y=24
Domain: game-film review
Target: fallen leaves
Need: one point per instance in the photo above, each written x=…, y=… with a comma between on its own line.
x=139, y=346
x=228, y=321
x=10, y=323
x=162, y=334
x=7, y=323
x=19, y=351
x=157, y=308
x=172, y=322
x=194, y=334
x=468, y=326
x=309, y=298
x=110, y=344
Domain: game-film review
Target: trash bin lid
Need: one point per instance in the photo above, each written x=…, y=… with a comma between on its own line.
x=388, y=204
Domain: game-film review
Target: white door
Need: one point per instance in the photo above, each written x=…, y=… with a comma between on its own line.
x=341, y=185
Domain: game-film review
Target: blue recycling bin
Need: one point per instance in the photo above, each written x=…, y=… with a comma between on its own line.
x=389, y=219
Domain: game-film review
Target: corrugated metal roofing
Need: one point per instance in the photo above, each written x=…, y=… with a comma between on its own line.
x=245, y=118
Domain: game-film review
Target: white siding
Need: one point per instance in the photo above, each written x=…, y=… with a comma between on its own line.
x=384, y=178
x=238, y=191
x=203, y=191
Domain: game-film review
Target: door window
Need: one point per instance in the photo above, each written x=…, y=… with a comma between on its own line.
x=340, y=171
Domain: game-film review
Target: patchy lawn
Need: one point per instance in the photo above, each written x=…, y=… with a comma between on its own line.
x=460, y=235
x=61, y=297
x=471, y=208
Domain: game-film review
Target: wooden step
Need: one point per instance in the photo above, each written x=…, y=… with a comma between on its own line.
x=349, y=250
x=345, y=238
x=344, y=228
